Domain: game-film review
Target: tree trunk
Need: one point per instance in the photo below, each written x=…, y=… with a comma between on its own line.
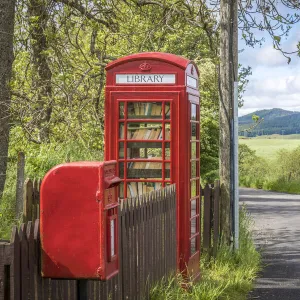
x=226, y=113
x=42, y=83
x=7, y=13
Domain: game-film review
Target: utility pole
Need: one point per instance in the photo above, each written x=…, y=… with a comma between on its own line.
x=235, y=162
x=228, y=120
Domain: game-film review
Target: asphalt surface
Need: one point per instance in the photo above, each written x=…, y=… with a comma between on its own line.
x=277, y=235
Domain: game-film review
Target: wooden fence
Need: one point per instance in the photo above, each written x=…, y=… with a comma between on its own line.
x=147, y=249
x=211, y=227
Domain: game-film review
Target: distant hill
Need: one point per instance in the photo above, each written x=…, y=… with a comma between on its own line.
x=276, y=121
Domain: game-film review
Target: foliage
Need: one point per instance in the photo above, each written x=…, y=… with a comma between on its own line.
x=58, y=116
x=229, y=276
x=280, y=174
x=252, y=169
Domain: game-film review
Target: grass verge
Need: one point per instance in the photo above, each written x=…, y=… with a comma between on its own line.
x=228, y=276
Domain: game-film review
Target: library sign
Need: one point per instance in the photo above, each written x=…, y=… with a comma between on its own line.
x=145, y=79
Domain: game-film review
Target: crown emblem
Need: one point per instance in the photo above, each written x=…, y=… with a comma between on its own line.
x=145, y=66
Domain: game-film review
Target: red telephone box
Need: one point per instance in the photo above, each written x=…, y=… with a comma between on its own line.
x=152, y=128
x=78, y=221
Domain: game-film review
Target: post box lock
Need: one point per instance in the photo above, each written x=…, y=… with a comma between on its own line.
x=74, y=228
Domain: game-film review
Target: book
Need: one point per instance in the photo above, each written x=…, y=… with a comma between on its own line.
x=158, y=110
x=148, y=109
x=121, y=192
x=140, y=188
x=157, y=133
x=133, y=135
x=152, y=135
x=129, y=191
x=121, y=131
x=167, y=133
x=157, y=185
x=147, y=134
x=150, y=189
x=133, y=188
x=136, y=108
x=143, y=109
x=167, y=110
x=144, y=188
x=153, y=108
x=160, y=136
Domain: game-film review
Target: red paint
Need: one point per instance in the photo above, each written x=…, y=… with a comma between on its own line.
x=181, y=98
x=73, y=220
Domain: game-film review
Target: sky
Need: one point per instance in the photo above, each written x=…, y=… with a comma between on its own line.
x=274, y=83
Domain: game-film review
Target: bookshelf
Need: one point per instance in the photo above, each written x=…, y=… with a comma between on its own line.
x=144, y=146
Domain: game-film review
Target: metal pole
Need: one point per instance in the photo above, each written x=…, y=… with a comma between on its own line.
x=235, y=129
x=236, y=167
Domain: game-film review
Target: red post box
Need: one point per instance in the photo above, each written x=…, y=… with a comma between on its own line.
x=152, y=128
x=79, y=221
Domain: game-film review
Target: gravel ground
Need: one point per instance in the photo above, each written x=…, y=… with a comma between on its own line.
x=277, y=235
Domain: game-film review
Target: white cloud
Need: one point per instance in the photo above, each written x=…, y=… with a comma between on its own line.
x=274, y=83
x=268, y=56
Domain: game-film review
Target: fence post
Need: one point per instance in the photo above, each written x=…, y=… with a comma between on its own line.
x=20, y=182
x=28, y=198
x=207, y=218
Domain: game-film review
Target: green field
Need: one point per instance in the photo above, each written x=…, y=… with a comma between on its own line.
x=267, y=146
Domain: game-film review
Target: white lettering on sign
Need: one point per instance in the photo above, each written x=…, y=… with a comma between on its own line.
x=145, y=78
x=190, y=81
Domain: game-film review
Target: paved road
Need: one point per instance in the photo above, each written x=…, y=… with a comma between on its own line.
x=277, y=234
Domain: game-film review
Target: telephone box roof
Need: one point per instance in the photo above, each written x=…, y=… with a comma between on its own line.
x=176, y=60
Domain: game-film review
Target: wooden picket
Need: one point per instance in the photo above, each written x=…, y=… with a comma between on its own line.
x=211, y=218
x=145, y=222
x=147, y=248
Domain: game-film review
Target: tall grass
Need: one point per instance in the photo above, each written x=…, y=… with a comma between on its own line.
x=228, y=276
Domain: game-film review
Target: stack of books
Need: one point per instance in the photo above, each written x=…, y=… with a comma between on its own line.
x=146, y=134
x=149, y=109
x=140, y=188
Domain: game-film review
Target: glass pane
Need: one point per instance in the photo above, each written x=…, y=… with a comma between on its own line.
x=193, y=207
x=193, y=246
x=194, y=226
x=194, y=169
x=167, y=110
x=144, y=150
x=121, y=190
x=144, y=169
x=194, y=111
x=139, y=188
x=194, y=130
x=167, y=152
x=121, y=150
x=121, y=110
x=194, y=188
x=167, y=131
x=121, y=170
x=144, y=131
x=195, y=150
x=167, y=171
x=144, y=110
x=121, y=131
